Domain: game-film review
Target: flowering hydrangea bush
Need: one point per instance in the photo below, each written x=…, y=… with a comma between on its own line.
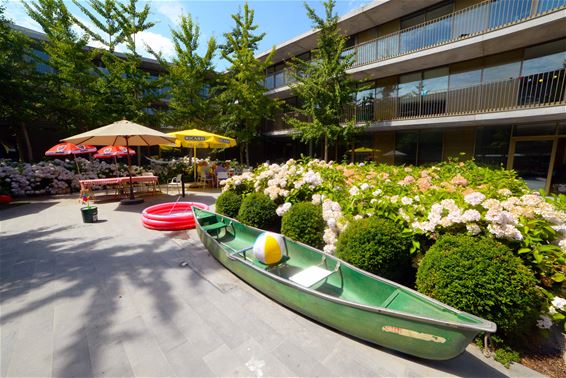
x=450, y=197
x=55, y=176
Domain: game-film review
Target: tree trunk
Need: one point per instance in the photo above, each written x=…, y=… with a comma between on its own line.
x=336, y=151
x=24, y=129
x=248, y=154
x=353, y=158
x=325, y=147
x=310, y=148
x=242, y=153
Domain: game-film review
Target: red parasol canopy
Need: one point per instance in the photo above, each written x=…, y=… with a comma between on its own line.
x=113, y=151
x=66, y=148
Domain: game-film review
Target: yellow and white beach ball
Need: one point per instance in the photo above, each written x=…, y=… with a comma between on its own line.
x=269, y=247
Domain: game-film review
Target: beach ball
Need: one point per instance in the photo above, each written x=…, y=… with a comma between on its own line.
x=269, y=247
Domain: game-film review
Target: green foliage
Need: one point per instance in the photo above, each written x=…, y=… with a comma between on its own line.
x=240, y=100
x=188, y=76
x=377, y=246
x=322, y=84
x=258, y=210
x=304, y=223
x=228, y=203
x=506, y=355
x=483, y=277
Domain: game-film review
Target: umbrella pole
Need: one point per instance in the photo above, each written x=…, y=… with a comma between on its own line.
x=130, y=171
x=77, y=164
x=195, y=163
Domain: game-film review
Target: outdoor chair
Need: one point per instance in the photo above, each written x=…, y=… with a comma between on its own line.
x=175, y=182
x=221, y=176
x=204, y=179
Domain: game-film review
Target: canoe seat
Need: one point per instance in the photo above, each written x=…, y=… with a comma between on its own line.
x=391, y=297
x=311, y=276
x=215, y=226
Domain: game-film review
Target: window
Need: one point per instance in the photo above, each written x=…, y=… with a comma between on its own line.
x=364, y=103
x=430, y=146
x=406, y=143
x=544, y=58
x=426, y=35
x=501, y=72
x=492, y=145
x=465, y=79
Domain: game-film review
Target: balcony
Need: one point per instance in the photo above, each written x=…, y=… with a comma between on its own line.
x=470, y=22
x=540, y=90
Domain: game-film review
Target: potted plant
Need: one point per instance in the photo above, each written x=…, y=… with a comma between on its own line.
x=89, y=213
x=5, y=196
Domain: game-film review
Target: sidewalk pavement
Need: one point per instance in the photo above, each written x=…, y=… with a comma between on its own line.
x=114, y=299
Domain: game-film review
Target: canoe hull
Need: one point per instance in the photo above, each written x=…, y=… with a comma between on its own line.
x=421, y=339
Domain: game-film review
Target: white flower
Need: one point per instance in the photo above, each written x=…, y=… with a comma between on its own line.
x=353, y=190
x=283, y=209
x=317, y=198
x=471, y=216
x=473, y=228
x=504, y=192
x=358, y=217
x=406, y=200
x=544, y=322
x=474, y=198
x=562, y=245
x=559, y=303
x=364, y=186
x=552, y=310
x=376, y=193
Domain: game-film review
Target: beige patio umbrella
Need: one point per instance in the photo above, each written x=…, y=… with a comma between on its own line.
x=123, y=133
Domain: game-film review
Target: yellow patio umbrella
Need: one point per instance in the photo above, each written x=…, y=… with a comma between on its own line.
x=195, y=138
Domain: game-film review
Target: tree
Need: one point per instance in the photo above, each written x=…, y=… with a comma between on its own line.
x=189, y=76
x=126, y=90
x=241, y=96
x=322, y=84
x=75, y=101
x=22, y=91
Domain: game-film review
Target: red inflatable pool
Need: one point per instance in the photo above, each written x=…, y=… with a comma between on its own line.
x=171, y=216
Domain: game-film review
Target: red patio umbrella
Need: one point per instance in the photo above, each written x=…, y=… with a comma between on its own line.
x=66, y=148
x=113, y=151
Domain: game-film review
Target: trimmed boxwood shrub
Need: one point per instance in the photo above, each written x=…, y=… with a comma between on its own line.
x=377, y=246
x=483, y=277
x=303, y=222
x=258, y=210
x=228, y=203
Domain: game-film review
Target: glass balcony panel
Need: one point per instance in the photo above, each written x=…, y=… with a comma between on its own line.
x=549, y=5
x=269, y=82
x=280, y=79
x=503, y=12
x=470, y=21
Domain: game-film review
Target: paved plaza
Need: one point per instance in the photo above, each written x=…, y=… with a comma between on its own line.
x=115, y=299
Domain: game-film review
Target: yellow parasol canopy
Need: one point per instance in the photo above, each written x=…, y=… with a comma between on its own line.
x=195, y=138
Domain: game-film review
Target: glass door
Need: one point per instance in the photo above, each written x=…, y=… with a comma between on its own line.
x=531, y=160
x=558, y=177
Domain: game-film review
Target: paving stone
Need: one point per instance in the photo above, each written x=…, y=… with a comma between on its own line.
x=110, y=300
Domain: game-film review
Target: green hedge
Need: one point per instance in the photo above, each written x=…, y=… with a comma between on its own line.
x=483, y=277
x=304, y=223
x=228, y=203
x=377, y=246
x=258, y=210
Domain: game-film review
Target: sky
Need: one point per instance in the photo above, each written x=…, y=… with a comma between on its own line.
x=280, y=19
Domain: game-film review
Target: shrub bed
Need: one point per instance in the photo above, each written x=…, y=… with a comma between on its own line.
x=258, y=211
x=303, y=222
x=483, y=277
x=228, y=203
x=377, y=246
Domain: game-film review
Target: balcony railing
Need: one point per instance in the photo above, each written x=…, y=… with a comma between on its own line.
x=477, y=19
x=535, y=91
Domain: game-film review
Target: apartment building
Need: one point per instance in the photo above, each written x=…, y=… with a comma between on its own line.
x=465, y=78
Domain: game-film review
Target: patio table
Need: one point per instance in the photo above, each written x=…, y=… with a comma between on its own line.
x=118, y=182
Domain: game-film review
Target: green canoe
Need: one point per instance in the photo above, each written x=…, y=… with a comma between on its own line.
x=342, y=296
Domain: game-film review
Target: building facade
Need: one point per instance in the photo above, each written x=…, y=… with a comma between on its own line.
x=441, y=79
